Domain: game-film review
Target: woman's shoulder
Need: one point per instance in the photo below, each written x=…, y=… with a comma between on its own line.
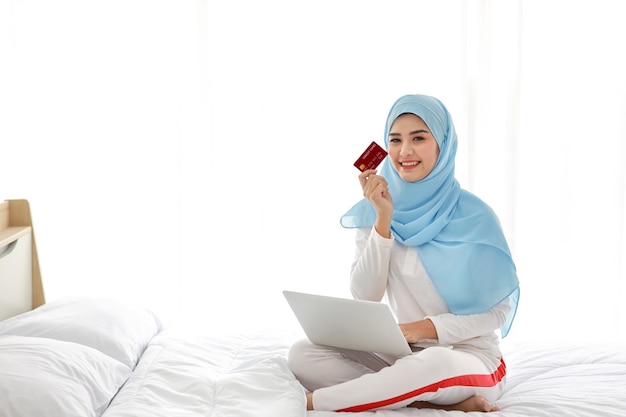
x=471, y=206
x=470, y=202
x=475, y=215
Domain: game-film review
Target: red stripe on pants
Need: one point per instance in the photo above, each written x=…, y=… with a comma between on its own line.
x=475, y=380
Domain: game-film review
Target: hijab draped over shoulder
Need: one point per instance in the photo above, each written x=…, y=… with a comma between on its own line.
x=458, y=236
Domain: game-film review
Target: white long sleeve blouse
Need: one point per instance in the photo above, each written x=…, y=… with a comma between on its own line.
x=385, y=267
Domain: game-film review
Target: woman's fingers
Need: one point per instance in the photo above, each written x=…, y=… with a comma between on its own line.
x=375, y=185
x=375, y=189
x=363, y=176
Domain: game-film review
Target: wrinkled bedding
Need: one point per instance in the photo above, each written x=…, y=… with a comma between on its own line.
x=204, y=376
x=95, y=357
x=92, y=358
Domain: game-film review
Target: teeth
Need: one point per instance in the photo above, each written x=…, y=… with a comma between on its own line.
x=409, y=164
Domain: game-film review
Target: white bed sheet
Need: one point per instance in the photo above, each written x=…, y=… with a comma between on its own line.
x=247, y=374
x=211, y=376
x=228, y=376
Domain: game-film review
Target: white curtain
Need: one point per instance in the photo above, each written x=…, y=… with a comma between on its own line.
x=570, y=157
x=196, y=156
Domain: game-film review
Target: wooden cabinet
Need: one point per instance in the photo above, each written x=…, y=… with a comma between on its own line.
x=20, y=278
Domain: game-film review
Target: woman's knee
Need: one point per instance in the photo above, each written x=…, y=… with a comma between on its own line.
x=297, y=358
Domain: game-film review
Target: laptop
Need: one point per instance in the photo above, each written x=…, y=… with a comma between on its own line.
x=344, y=323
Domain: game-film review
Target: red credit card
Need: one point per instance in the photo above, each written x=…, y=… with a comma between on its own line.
x=371, y=158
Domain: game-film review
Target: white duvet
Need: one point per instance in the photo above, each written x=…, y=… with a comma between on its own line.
x=88, y=358
x=248, y=376
x=227, y=376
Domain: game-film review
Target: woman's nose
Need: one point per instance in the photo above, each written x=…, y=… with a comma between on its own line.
x=406, y=149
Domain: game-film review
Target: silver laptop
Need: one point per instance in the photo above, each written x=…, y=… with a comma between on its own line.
x=348, y=324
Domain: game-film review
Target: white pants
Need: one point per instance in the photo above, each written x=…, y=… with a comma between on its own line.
x=341, y=380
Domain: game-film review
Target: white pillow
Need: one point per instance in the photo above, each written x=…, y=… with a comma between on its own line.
x=118, y=329
x=42, y=377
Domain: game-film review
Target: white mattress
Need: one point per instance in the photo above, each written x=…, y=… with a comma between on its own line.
x=118, y=361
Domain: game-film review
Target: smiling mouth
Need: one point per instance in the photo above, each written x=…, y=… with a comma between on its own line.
x=409, y=164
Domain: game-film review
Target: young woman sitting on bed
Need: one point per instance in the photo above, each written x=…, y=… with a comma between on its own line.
x=438, y=254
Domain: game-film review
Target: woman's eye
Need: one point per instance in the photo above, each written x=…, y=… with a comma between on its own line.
x=418, y=138
x=391, y=140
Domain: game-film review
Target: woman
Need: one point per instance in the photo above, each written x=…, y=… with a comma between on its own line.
x=439, y=256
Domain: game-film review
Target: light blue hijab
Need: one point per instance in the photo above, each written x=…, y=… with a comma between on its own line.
x=458, y=236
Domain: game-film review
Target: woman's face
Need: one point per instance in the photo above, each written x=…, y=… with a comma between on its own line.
x=413, y=150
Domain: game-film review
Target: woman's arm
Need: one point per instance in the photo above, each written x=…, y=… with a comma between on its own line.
x=451, y=328
x=370, y=269
x=368, y=279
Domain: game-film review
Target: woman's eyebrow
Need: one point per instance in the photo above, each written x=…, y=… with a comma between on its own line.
x=415, y=132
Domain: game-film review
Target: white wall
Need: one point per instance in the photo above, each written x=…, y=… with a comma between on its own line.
x=197, y=156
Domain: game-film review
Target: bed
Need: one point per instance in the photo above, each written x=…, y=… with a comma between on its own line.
x=103, y=357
